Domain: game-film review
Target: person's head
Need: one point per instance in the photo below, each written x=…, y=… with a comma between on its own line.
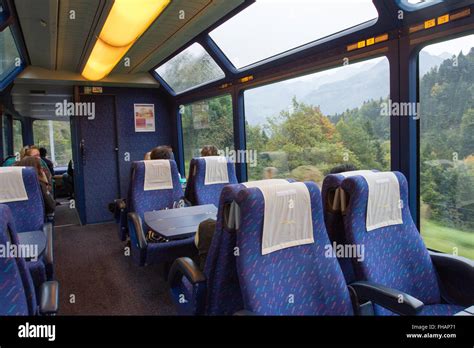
x=30, y=161
x=209, y=150
x=33, y=151
x=147, y=156
x=160, y=152
x=346, y=167
x=43, y=152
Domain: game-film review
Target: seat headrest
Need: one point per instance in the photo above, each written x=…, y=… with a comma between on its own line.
x=287, y=220
x=12, y=186
x=216, y=170
x=157, y=175
x=384, y=206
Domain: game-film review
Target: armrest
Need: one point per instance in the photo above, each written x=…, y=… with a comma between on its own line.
x=244, y=313
x=387, y=298
x=48, y=252
x=135, y=227
x=49, y=301
x=184, y=266
x=455, y=274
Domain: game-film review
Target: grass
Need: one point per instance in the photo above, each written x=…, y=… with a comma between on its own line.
x=446, y=239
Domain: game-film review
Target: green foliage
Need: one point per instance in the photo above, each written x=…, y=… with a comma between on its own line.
x=447, y=142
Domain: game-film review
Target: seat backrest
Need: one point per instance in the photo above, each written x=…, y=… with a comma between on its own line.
x=298, y=280
x=197, y=192
x=17, y=295
x=223, y=290
x=142, y=201
x=395, y=256
x=28, y=214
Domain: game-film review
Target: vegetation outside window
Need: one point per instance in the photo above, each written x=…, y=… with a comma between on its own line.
x=207, y=122
x=301, y=128
x=447, y=146
x=17, y=136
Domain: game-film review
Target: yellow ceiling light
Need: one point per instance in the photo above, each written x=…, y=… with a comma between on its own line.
x=126, y=22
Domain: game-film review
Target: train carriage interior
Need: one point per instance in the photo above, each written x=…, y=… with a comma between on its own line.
x=237, y=157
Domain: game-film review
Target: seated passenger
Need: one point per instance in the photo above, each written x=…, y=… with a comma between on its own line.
x=209, y=150
x=46, y=188
x=161, y=152
x=43, y=152
x=147, y=156
x=203, y=239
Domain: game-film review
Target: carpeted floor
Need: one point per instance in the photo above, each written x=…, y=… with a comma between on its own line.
x=92, y=269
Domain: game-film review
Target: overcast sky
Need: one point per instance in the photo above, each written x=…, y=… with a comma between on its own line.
x=269, y=27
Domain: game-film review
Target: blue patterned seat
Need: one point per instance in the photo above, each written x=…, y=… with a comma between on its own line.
x=395, y=256
x=29, y=216
x=313, y=281
x=220, y=291
x=17, y=295
x=198, y=193
x=142, y=201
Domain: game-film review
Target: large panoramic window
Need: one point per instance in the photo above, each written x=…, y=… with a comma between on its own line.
x=55, y=136
x=207, y=122
x=17, y=136
x=191, y=68
x=269, y=27
x=303, y=127
x=447, y=146
x=9, y=56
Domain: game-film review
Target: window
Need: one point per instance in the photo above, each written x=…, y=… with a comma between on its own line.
x=269, y=27
x=189, y=69
x=447, y=146
x=208, y=122
x=301, y=128
x=55, y=136
x=17, y=136
x=9, y=56
x=417, y=4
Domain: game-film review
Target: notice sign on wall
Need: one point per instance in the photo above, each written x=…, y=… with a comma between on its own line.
x=144, y=117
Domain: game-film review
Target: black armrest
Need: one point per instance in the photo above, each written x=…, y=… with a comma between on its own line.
x=456, y=278
x=49, y=301
x=244, y=313
x=48, y=252
x=184, y=266
x=387, y=298
x=135, y=220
